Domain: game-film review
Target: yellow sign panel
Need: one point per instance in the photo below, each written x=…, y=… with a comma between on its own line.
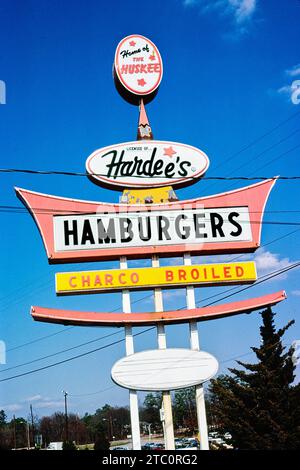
x=146, y=278
x=150, y=195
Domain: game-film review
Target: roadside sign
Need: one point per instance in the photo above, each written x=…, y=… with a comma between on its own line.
x=138, y=65
x=85, y=282
x=79, y=231
x=164, y=369
x=148, y=164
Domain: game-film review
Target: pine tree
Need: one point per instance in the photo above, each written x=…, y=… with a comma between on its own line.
x=258, y=405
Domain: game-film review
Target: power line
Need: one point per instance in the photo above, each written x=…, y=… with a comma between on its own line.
x=113, y=386
x=275, y=158
x=267, y=163
x=74, y=357
x=40, y=339
x=243, y=355
x=258, y=139
x=74, y=173
x=263, y=152
x=260, y=167
x=92, y=393
x=267, y=277
x=271, y=148
x=266, y=244
x=234, y=288
x=61, y=352
x=42, y=210
x=252, y=222
x=68, y=328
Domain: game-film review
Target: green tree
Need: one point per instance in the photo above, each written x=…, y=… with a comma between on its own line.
x=69, y=445
x=150, y=410
x=4, y=432
x=258, y=405
x=2, y=418
x=184, y=408
x=101, y=442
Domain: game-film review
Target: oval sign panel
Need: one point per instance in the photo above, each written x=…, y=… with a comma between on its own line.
x=138, y=65
x=164, y=369
x=152, y=163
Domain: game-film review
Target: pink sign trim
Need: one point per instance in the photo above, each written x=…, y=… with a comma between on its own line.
x=44, y=207
x=73, y=317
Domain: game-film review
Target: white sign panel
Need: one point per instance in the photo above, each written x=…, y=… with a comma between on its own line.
x=164, y=369
x=153, y=228
x=138, y=65
x=147, y=164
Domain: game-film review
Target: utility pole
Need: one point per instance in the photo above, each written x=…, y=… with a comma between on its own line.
x=32, y=425
x=66, y=417
x=149, y=431
x=15, y=434
x=28, y=435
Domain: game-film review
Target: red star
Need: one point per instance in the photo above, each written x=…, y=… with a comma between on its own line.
x=152, y=57
x=141, y=82
x=169, y=151
x=132, y=43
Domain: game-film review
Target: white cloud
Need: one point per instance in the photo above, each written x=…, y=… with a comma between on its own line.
x=39, y=402
x=241, y=11
x=190, y=2
x=289, y=89
x=49, y=404
x=293, y=71
x=33, y=398
x=174, y=294
x=168, y=294
x=267, y=262
x=12, y=407
x=285, y=90
x=176, y=261
x=292, y=90
x=296, y=292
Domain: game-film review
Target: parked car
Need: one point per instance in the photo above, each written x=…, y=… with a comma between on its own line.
x=147, y=446
x=179, y=443
x=120, y=448
x=153, y=446
x=189, y=444
x=158, y=446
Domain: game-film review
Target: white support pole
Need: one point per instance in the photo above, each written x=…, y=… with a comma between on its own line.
x=195, y=345
x=133, y=397
x=162, y=344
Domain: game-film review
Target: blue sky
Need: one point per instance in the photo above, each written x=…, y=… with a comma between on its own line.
x=229, y=67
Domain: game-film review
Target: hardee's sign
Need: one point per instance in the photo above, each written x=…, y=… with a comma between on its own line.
x=148, y=164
